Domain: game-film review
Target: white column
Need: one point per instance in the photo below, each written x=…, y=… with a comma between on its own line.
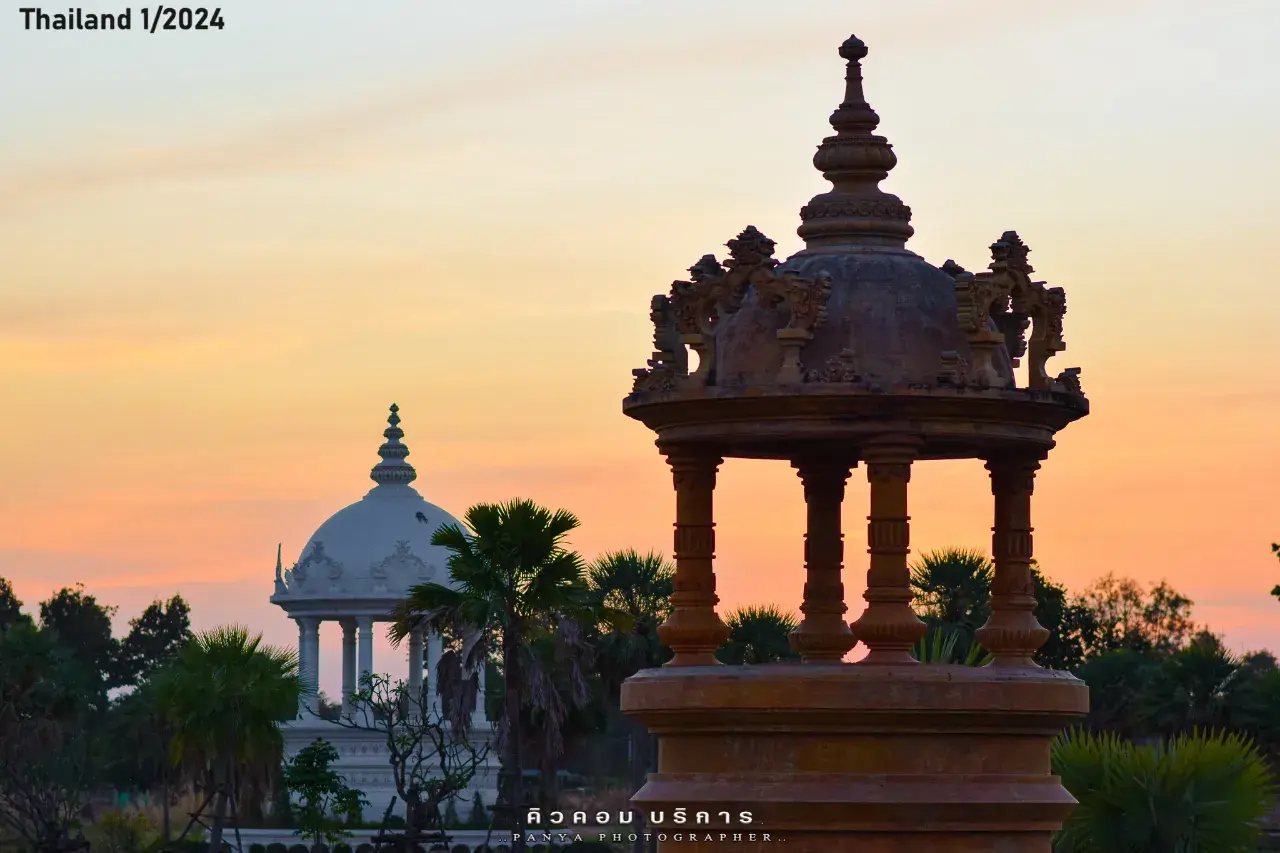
x=313, y=640
x=304, y=660
x=479, y=718
x=365, y=626
x=415, y=663
x=433, y=660
x=348, y=664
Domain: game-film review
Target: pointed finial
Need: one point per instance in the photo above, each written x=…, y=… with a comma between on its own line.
x=393, y=469
x=855, y=160
x=279, y=565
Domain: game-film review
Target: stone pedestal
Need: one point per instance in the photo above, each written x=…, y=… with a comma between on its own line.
x=849, y=757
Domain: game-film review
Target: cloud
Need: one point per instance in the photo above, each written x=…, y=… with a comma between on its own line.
x=341, y=133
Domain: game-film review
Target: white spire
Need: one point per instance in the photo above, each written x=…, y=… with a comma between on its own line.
x=280, y=587
x=393, y=469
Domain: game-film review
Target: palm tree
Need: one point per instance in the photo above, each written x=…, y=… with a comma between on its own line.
x=952, y=587
x=224, y=697
x=640, y=587
x=759, y=634
x=519, y=589
x=1201, y=792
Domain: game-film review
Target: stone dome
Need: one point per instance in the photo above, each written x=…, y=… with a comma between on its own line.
x=377, y=548
x=855, y=334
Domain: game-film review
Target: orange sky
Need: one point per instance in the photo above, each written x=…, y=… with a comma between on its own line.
x=214, y=284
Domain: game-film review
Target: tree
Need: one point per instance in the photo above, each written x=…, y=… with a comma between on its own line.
x=45, y=738
x=1115, y=680
x=952, y=587
x=431, y=756
x=1072, y=626
x=10, y=607
x=758, y=634
x=139, y=749
x=83, y=627
x=1158, y=620
x=1275, y=549
x=154, y=638
x=1204, y=686
x=515, y=581
x=1198, y=793
x=225, y=695
x=640, y=587
x=324, y=802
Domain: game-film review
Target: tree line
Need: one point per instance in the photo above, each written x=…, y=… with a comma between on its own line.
x=164, y=710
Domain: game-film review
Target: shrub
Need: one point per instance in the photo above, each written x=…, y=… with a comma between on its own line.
x=478, y=818
x=451, y=820
x=277, y=847
x=298, y=848
x=118, y=831
x=257, y=848
x=1199, y=793
x=342, y=847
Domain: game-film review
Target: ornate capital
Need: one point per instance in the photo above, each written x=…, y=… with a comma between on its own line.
x=1013, y=475
x=692, y=468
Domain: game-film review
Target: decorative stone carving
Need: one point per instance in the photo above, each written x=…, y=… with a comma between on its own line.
x=1069, y=381
x=403, y=561
x=1005, y=297
x=670, y=360
x=318, y=559
x=688, y=316
x=841, y=368
x=697, y=304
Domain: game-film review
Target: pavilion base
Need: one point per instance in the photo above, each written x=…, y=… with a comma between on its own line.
x=850, y=757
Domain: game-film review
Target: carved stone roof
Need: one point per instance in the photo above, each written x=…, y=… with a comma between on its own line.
x=367, y=555
x=855, y=314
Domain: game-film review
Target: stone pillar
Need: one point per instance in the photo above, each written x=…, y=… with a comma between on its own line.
x=364, y=626
x=480, y=718
x=304, y=661
x=415, y=664
x=434, y=651
x=1012, y=634
x=694, y=630
x=348, y=664
x=314, y=632
x=823, y=635
x=888, y=626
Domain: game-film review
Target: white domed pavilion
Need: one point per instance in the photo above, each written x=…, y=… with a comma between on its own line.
x=354, y=570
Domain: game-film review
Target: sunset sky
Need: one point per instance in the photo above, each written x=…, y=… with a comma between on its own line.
x=223, y=254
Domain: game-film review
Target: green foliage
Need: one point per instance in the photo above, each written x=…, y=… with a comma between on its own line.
x=639, y=586
x=518, y=590
x=257, y=848
x=1115, y=682
x=759, y=634
x=942, y=645
x=451, y=819
x=83, y=627
x=224, y=697
x=324, y=802
x=1275, y=549
x=478, y=817
x=137, y=752
x=952, y=588
x=1200, y=793
x=46, y=728
x=120, y=831
x=1157, y=620
x=154, y=638
x=10, y=606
